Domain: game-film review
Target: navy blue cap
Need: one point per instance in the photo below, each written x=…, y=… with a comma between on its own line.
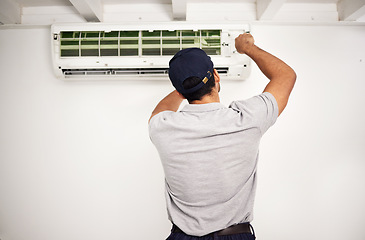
x=190, y=62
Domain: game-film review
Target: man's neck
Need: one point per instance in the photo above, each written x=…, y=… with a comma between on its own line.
x=211, y=98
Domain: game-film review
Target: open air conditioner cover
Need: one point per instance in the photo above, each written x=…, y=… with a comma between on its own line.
x=126, y=51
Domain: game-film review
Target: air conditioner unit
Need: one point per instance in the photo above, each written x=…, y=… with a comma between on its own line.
x=142, y=51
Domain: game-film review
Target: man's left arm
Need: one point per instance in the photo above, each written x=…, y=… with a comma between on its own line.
x=170, y=103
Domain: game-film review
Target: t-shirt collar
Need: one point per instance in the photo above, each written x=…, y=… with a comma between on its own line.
x=202, y=107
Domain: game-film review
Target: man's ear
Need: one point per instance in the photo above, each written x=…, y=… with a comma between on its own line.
x=217, y=78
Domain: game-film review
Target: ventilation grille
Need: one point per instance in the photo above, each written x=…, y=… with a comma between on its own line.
x=137, y=43
x=126, y=71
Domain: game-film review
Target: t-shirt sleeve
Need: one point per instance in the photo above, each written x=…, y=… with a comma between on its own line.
x=157, y=121
x=261, y=109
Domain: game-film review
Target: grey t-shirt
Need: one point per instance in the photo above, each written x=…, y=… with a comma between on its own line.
x=209, y=155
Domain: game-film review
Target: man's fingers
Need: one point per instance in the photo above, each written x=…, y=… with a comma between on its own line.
x=243, y=42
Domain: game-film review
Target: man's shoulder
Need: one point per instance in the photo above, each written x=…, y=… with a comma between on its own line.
x=261, y=109
x=161, y=116
x=260, y=100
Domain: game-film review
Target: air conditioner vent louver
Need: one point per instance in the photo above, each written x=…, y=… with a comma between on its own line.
x=115, y=71
x=143, y=51
x=124, y=71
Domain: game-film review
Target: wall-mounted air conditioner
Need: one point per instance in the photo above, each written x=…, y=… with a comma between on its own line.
x=143, y=51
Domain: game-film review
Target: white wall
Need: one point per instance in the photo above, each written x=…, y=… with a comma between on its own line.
x=76, y=161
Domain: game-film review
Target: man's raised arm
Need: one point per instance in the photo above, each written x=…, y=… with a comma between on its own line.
x=281, y=76
x=170, y=103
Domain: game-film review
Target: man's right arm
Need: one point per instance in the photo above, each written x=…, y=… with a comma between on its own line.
x=282, y=77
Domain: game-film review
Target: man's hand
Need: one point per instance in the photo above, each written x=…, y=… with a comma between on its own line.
x=244, y=43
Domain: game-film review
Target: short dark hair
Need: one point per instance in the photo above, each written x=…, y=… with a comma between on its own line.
x=198, y=94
